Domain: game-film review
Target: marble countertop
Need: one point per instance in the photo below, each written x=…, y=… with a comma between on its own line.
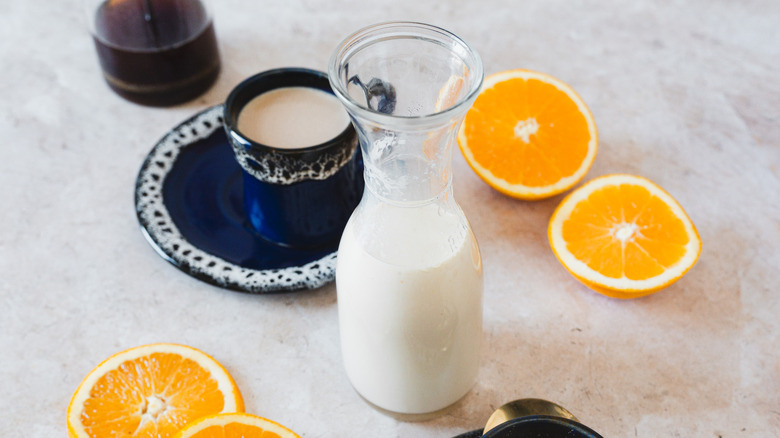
x=684, y=93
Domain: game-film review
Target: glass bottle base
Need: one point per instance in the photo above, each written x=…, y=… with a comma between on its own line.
x=414, y=417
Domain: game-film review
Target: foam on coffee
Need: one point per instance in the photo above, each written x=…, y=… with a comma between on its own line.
x=293, y=118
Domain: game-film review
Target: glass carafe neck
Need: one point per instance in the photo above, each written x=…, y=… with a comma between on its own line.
x=407, y=87
x=407, y=165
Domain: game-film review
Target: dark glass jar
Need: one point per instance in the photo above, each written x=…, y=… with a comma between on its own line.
x=155, y=52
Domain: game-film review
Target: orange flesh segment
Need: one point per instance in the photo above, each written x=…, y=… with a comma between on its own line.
x=120, y=398
x=556, y=149
x=235, y=430
x=655, y=238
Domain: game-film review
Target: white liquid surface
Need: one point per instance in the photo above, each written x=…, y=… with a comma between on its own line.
x=293, y=117
x=410, y=308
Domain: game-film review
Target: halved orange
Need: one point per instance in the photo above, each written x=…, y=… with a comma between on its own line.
x=150, y=391
x=623, y=236
x=528, y=135
x=238, y=425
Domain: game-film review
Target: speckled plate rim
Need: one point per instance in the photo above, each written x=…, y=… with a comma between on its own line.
x=166, y=239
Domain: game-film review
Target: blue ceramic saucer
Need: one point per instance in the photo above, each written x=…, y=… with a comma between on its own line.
x=189, y=202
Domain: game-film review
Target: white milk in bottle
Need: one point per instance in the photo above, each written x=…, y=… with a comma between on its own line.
x=410, y=307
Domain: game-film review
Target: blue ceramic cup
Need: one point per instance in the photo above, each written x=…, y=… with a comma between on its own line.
x=303, y=197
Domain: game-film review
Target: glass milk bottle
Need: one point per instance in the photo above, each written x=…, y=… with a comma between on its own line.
x=409, y=273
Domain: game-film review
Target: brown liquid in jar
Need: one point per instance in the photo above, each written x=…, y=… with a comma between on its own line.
x=156, y=52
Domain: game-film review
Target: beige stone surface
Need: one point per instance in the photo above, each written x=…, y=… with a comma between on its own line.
x=685, y=93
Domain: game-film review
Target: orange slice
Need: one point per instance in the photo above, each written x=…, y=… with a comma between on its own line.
x=150, y=391
x=235, y=426
x=623, y=236
x=528, y=135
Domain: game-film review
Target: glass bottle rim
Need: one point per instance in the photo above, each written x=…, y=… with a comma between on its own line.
x=404, y=30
